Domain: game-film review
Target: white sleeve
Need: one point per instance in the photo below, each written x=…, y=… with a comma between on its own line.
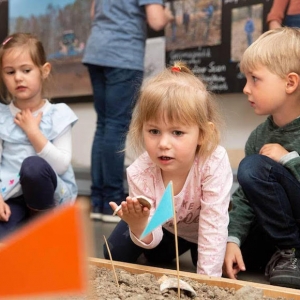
x=1, y=148
x=59, y=153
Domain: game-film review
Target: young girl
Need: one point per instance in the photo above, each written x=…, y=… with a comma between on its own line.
x=35, y=136
x=176, y=121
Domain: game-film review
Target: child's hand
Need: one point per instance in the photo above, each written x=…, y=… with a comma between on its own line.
x=27, y=121
x=233, y=262
x=134, y=214
x=4, y=210
x=274, y=151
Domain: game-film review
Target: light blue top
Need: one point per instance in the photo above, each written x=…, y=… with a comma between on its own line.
x=16, y=147
x=118, y=34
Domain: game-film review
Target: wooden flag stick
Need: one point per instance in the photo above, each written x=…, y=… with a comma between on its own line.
x=176, y=241
x=111, y=261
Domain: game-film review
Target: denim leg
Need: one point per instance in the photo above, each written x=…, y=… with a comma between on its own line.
x=38, y=181
x=273, y=192
x=120, y=94
x=123, y=249
x=165, y=251
x=98, y=83
x=121, y=246
x=19, y=215
x=114, y=97
x=292, y=20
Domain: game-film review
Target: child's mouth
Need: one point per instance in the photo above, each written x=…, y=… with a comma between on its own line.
x=165, y=157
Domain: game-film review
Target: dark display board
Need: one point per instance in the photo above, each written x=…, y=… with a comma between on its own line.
x=211, y=36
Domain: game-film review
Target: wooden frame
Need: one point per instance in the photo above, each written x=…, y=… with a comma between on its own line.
x=268, y=290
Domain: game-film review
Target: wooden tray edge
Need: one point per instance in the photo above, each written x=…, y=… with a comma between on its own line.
x=268, y=290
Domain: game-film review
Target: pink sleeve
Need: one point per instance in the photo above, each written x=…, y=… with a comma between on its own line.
x=141, y=179
x=214, y=216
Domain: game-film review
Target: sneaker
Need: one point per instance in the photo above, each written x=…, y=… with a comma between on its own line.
x=284, y=269
x=110, y=218
x=95, y=213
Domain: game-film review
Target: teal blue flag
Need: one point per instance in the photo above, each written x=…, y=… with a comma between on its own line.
x=163, y=212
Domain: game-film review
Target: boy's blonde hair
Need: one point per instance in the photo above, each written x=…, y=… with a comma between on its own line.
x=278, y=50
x=176, y=95
x=21, y=41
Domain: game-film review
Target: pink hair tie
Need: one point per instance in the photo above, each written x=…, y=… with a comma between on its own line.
x=175, y=69
x=7, y=40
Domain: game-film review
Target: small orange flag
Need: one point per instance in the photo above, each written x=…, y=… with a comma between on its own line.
x=46, y=257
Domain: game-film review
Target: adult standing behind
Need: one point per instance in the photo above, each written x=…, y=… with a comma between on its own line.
x=284, y=13
x=114, y=55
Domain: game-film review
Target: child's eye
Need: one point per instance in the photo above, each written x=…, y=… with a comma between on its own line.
x=26, y=71
x=154, y=131
x=177, y=132
x=254, y=78
x=10, y=72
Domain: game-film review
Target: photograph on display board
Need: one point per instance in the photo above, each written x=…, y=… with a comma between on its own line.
x=63, y=27
x=196, y=23
x=246, y=27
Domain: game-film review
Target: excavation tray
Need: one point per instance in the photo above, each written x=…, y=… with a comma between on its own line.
x=268, y=290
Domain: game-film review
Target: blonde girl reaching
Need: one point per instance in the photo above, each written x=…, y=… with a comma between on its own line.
x=35, y=136
x=175, y=127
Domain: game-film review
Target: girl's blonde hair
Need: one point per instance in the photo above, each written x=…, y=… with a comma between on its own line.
x=278, y=50
x=176, y=95
x=27, y=42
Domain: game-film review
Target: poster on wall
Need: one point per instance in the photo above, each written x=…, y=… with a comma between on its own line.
x=210, y=36
x=63, y=27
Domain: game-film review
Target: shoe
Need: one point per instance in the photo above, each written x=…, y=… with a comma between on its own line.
x=110, y=218
x=95, y=213
x=284, y=269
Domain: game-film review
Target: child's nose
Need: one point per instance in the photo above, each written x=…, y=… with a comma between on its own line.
x=18, y=76
x=246, y=89
x=164, y=141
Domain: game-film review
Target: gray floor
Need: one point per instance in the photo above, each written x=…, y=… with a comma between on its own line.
x=101, y=229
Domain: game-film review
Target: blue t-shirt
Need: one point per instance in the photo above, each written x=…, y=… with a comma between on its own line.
x=118, y=34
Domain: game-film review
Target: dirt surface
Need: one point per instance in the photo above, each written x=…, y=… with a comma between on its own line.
x=146, y=287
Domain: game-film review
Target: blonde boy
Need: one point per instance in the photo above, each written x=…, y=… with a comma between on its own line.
x=266, y=205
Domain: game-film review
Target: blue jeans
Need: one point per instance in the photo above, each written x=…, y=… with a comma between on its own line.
x=292, y=20
x=273, y=193
x=123, y=249
x=115, y=92
x=38, y=182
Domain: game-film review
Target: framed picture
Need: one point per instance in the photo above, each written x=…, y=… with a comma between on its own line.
x=63, y=27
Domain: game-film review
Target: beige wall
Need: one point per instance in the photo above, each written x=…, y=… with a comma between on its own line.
x=239, y=116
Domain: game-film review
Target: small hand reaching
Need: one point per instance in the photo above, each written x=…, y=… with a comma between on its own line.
x=133, y=213
x=233, y=262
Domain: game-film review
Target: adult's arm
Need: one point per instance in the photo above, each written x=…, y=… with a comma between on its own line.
x=276, y=14
x=158, y=16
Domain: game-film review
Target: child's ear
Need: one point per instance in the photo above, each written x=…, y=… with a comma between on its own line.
x=292, y=82
x=46, y=68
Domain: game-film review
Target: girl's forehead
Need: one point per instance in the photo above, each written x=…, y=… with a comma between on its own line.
x=16, y=55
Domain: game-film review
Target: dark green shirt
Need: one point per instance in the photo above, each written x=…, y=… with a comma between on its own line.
x=242, y=216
